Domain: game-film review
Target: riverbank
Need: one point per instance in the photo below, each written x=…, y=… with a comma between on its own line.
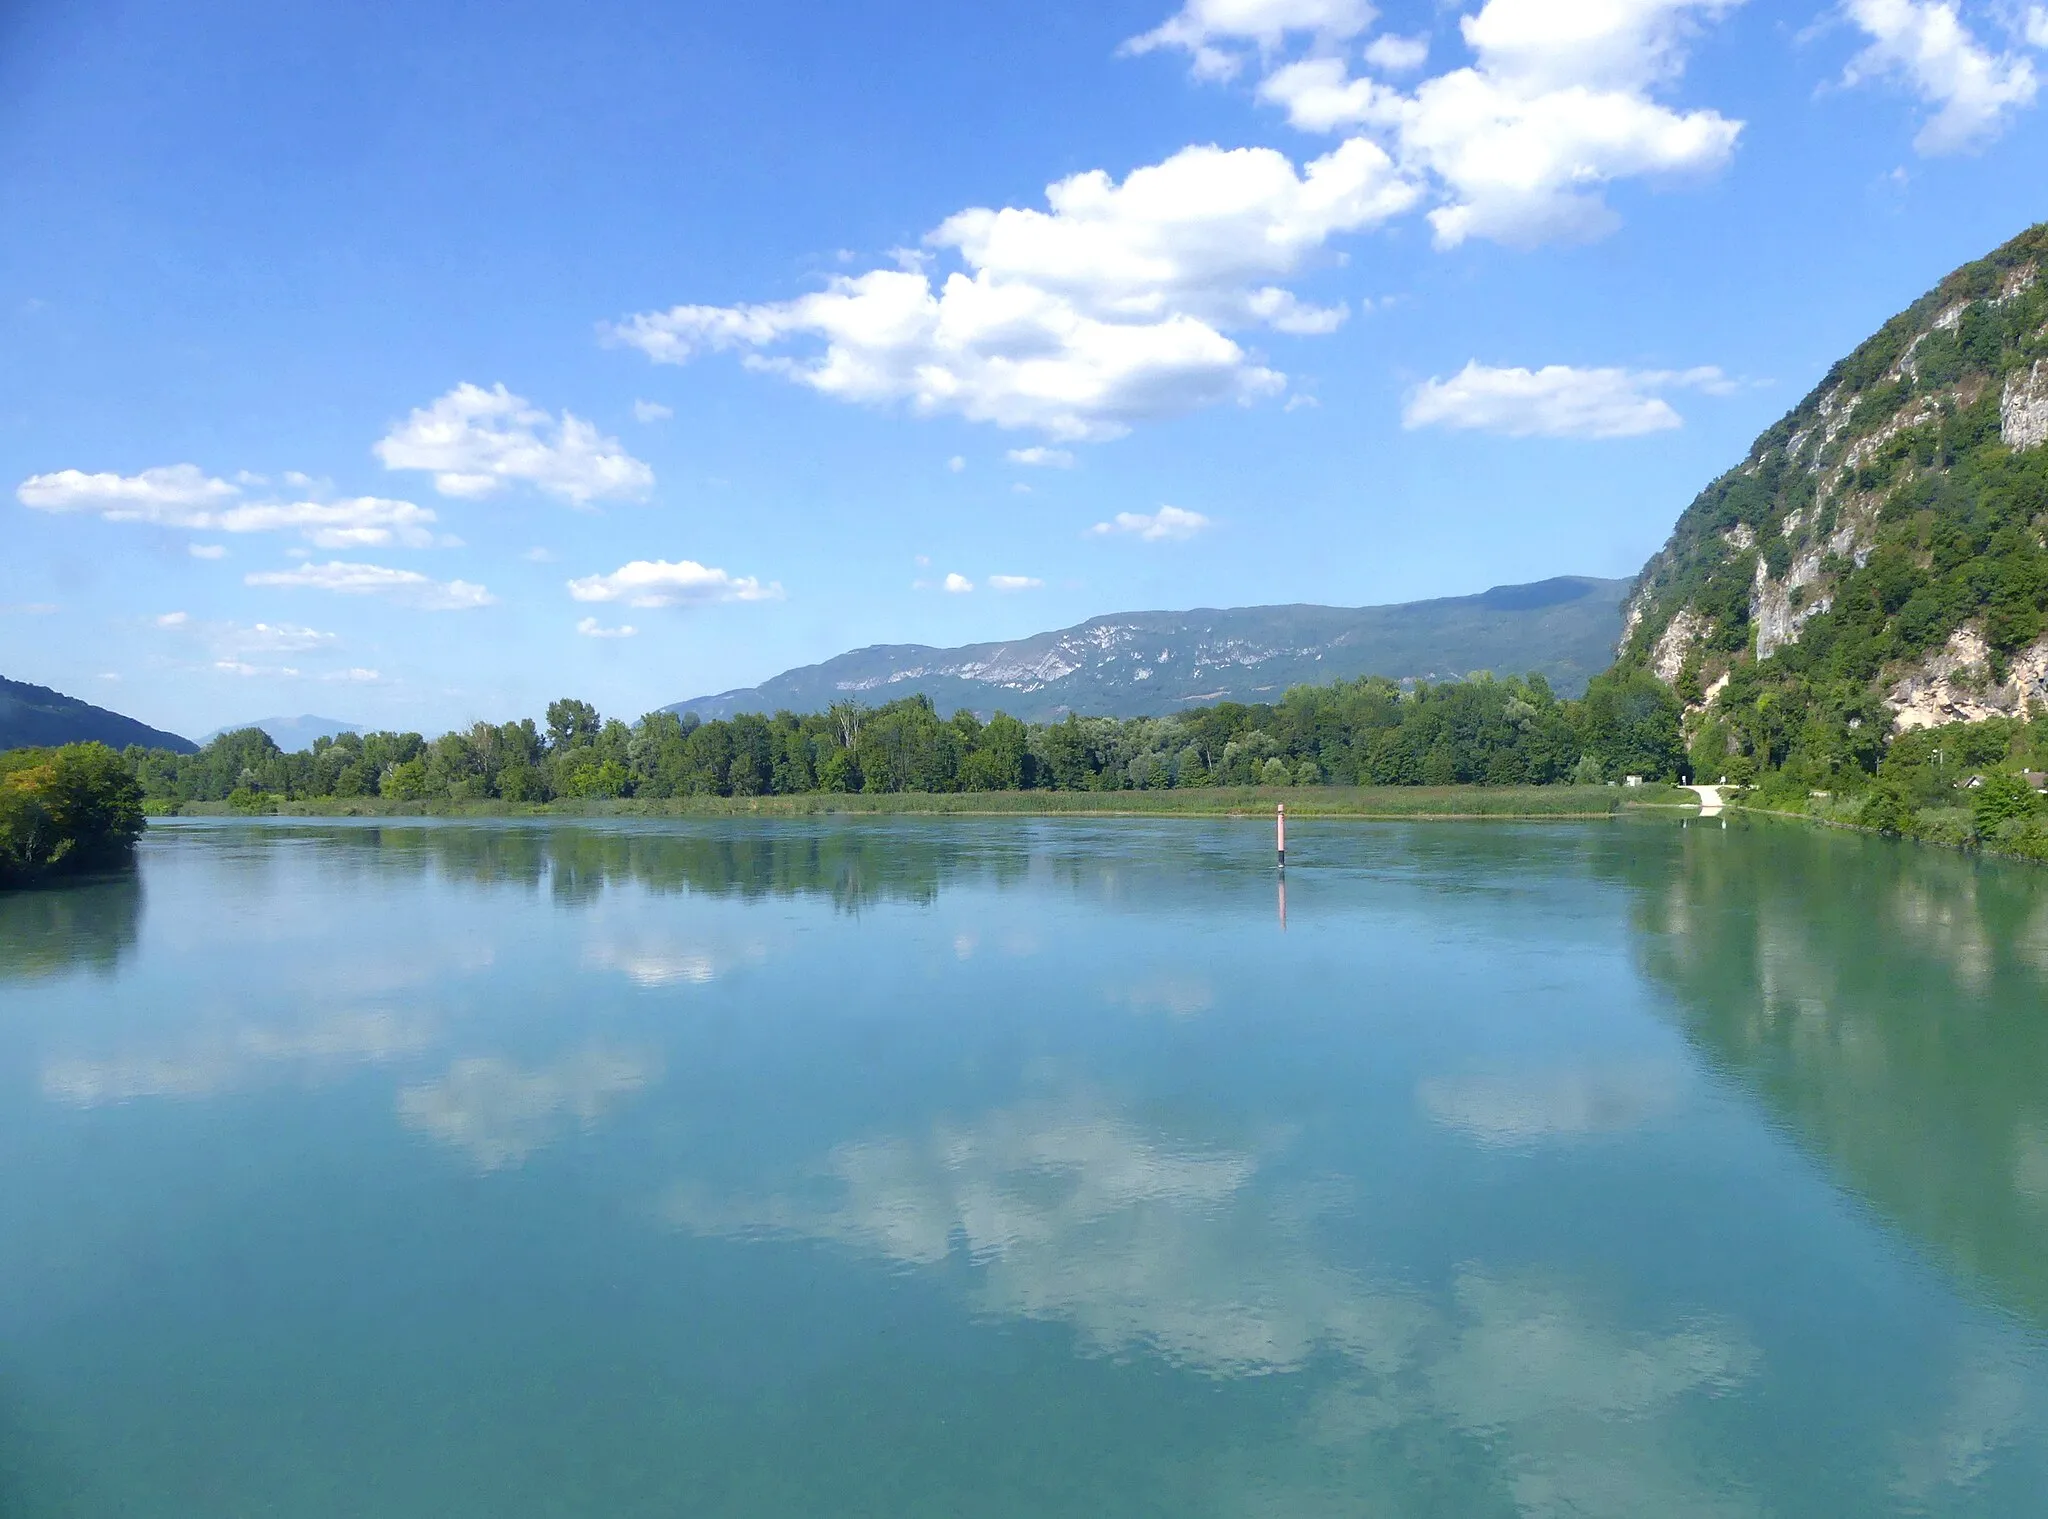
x=1950, y=827
x=1420, y=803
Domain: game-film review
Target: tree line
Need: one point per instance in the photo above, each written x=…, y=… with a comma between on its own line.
x=1370, y=731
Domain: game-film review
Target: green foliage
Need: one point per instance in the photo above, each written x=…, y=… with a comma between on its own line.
x=1364, y=732
x=2001, y=798
x=73, y=808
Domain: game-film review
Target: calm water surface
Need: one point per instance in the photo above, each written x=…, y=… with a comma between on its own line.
x=908, y=1169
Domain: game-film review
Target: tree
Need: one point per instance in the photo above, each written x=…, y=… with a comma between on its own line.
x=571, y=723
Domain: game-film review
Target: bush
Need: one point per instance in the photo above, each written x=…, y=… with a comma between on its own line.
x=2004, y=797
x=1887, y=810
x=65, y=809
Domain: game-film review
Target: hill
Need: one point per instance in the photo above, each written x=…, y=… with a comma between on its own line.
x=290, y=733
x=33, y=716
x=1132, y=664
x=1876, y=563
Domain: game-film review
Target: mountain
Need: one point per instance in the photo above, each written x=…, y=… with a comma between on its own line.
x=290, y=733
x=35, y=715
x=1133, y=664
x=1876, y=562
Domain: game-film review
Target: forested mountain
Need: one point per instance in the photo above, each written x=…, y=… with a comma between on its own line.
x=1876, y=564
x=36, y=716
x=1137, y=664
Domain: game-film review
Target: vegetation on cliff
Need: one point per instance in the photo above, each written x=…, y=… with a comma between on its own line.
x=1876, y=564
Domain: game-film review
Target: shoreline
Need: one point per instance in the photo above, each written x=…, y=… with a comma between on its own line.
x=1376, y=803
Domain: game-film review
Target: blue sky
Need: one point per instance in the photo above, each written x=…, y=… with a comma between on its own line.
x=391, y=361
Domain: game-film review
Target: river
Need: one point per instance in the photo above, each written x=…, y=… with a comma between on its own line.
x=906, y=1168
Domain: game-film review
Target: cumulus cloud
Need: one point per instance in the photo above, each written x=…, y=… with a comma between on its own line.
x=405, y=587
x=207, y=550
x=1108, y=308
x=1925, y=46
x=171, y=495
x=958, y=584
x=662, y=583
x=1041, y=458
x=232, y=642
x=1556, y=401
x=590, y=627
x=1398, y=55
x=183, y=496
x=1014, y=583
x=1168, y=523
x=652, y=411
x=1558, y=103
x=475, y=442
x=356, y=675
x=1216, y=33
x=357, y=522
x=2037, y=26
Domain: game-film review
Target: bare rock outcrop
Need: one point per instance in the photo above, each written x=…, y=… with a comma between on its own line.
x=1953, y=684
x=2023, y=408
x=1675, y=644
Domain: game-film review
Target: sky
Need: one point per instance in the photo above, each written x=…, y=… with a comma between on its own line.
x=417, y=363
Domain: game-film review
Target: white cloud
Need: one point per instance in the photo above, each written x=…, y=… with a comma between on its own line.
x=1215, y=32
x=590, y=627
x=356, y=675
x=171, y=495
x=1041, y=458
x=1557, y=104
x=406, y=587
x=1556, y=401
x=230, y=641
x=268, y=638
x=958, y=584
x=1107, y=309
x=652, y=411
x=237, y=667
x=476, y=441
x=183, y=496
x=207, y=550
x=540, y=556
x=1168, y=523
x=1925, y=45
x=1014, y=583
x=1398, y=55
x=2037, y=26
x=357, y=522
x=956, y=464
x=661, y=583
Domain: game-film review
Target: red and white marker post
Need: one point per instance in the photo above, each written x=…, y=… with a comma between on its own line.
x=1280, y=833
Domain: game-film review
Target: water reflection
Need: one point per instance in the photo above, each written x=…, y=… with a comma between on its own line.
x=497, y=1114
x=1887, y=1004
x=1200, y=1253
x=84, y=925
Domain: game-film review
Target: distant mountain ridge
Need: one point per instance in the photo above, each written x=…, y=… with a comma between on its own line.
x=290, y=733
x=35, y=716
x=1134, y=664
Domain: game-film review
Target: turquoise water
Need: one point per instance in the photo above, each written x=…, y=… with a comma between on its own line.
x=904, y=1168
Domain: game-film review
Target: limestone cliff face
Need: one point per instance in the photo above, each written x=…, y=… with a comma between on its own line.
x=2023, y=408
x=1957, y=683
x=1886, y=455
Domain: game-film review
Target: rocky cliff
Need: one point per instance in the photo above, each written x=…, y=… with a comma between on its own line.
x=1877, y=562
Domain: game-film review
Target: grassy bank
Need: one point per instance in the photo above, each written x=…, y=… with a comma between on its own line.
x=1418, y=802
x=1949, y=827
